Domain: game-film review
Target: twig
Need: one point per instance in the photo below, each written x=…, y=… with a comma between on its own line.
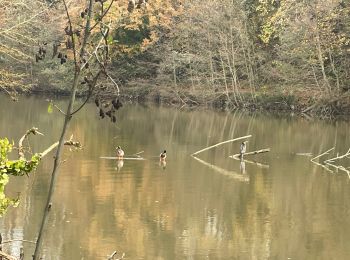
x=124, y=158
x=304, y=154
x=26, y=21
x=339, y=167
x=215, y=145
x=7, y=257
x=18, y=240
x=59, y=109
x=138, y=154
x=93, y=84
x=251, y=153
x=323, y=166
x=231, y=174
x=115, y=83
x=103, y=15
x=111, y=257
x=44, y=153
x=339, y=157
x=318, y=156
x=33, y=131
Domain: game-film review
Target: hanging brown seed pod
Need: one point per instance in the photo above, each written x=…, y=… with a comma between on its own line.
x=68, y=30
x=114, y=119
x=97, y=102
x=102, y=114
x=69, y=44
x=109, y=113
x=118, y=104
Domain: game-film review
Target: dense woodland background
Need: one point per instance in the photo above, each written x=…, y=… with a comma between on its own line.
x=226, y=52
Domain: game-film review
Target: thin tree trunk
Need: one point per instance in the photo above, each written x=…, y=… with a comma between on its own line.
x=67, y=120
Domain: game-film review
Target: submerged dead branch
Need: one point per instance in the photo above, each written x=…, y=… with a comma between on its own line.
x=225, y=142
x=330, y=162
x=261, y=165
x=231, y=174
x=339, y=167
x=114, y=255
x=318, y=156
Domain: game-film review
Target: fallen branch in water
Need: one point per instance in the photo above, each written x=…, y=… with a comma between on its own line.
x=347, y=154
x=35, y=131
x=318, y=156
x=339, y=167
x=252, y=162
x=235, y=156
x=225, y=142
x=137, y=154
x=124, y=158
x=114, y=254
x=231, y=174
x=325, y=164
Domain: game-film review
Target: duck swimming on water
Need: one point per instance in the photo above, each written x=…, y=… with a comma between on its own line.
x=162, y=156
x=243, y=149
x=120, y=153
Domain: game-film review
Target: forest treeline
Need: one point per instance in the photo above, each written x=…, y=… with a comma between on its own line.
x=284, y=53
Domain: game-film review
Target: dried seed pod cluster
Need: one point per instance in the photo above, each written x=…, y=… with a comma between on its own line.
x=108, y=108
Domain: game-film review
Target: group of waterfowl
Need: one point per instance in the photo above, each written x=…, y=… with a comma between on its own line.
x=120, y=154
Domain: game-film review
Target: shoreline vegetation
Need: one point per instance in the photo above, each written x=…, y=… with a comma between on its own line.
x=307, y=104
x=251, y=55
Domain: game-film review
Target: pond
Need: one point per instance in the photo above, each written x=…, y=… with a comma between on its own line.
x=279, y=205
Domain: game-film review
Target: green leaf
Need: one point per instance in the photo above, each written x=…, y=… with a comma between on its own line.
x=50, y=108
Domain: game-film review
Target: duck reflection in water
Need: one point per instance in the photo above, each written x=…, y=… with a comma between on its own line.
x=120, y=164
x=162, y=163
x=242, y=167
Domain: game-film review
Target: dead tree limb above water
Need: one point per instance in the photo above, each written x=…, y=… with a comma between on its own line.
x=345, y=155
x=320, y=155
x=330, y=162
x=237, y=156
x=224, y=142
x=33, y=131
x=114, y=255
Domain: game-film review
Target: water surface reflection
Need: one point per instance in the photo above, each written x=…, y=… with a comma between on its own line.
x=284, y=207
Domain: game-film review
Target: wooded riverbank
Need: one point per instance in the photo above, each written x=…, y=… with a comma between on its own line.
x=262, y=101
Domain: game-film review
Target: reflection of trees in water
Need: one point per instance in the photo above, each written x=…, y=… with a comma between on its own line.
x=192, y=212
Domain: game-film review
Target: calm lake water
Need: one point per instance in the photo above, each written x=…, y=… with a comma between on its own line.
x=281, y=207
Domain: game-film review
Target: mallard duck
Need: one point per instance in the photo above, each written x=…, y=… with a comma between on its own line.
x=162, y=156
x=243, y=148
x=120, y=152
